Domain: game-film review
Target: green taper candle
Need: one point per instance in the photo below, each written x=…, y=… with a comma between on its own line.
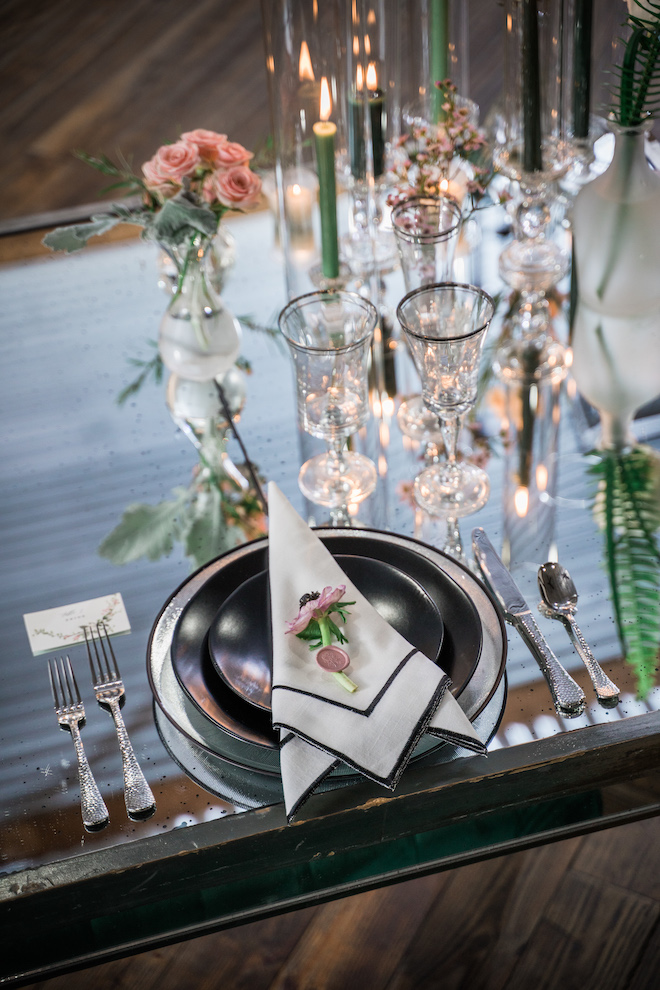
x=531, y=88
x=324, y=137
x=439, y=39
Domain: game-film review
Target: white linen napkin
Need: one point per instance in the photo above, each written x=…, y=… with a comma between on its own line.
x=400, y=693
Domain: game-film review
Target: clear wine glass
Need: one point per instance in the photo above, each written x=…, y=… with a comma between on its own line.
x=446, y=327
x=329, y=334
x=426, y=229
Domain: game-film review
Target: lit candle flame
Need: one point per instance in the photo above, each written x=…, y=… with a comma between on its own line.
x=444, y=185
x=359, y=79
x=372, y=77
x=326, y=103
x=295, y=189
x=305, y=70
x=521, y=501
x=356, y=45
x=541, y=477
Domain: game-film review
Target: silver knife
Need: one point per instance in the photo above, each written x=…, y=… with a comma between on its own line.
x=569, y=698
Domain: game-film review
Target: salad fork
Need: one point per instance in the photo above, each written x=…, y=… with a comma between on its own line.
x=110, y=693
x=70, y=713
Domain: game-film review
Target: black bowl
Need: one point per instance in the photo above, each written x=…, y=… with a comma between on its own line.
x=191, y=658
x=240, y=638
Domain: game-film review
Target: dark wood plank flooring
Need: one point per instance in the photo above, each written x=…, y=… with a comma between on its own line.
x=582, y=914
x=127, y=75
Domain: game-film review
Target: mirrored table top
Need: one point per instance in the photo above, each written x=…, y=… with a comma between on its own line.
x=74, y=459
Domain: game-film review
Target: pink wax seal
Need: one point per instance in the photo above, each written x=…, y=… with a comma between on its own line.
x=332, y=658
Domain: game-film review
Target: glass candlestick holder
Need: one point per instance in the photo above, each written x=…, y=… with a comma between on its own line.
x=532, y=149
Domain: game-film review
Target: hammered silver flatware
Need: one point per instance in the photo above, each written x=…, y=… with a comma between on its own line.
x=110, y=693
x=568, y=697
x=560, y=602
x=70, y=713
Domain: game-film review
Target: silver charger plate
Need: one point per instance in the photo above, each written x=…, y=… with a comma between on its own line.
x=247, y=789
x=191, y=723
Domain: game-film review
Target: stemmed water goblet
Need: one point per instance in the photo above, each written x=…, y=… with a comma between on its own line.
x=446, y=325
x=329, y=335
x=426, y=229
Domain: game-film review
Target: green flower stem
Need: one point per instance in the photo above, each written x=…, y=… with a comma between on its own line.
x=326, y=639
x=627, y=117
x=627, y=157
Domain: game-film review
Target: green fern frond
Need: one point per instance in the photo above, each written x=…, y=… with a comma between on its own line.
x=628, y=509
x=639, y=74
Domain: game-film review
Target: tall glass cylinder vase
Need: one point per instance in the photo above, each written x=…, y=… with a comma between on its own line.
x=305, y=57
x=432, y=38
x=369, y=112
x=532, y=149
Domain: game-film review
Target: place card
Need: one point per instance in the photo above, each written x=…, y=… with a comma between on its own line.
x=59, y=628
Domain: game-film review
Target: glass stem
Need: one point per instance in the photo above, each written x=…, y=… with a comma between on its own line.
x=336, y=454
x=450, y=429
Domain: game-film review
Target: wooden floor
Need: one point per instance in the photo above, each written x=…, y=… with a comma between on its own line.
x=585, y=913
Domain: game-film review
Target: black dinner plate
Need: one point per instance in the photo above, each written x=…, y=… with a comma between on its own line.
x=240, y=640
x=191, y=659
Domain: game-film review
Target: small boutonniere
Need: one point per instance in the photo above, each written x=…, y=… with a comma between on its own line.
x=313, y=623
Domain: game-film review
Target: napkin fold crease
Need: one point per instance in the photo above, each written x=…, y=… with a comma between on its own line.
x=401, y=693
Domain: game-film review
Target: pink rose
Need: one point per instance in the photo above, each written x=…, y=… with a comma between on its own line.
x=231, y=153
x=208, y=143
x=316, y=608
x=234, y=187
x=170, y=165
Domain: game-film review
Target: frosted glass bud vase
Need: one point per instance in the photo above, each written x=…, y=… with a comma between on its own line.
x=617, y=231
x=199, y=338
x=616, y=331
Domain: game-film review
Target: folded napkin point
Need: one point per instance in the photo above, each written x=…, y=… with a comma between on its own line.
x=400, y=691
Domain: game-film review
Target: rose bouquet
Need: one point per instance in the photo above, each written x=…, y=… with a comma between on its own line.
x=184, y=190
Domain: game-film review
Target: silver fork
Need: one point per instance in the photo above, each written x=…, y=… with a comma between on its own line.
x=70, y=713
x=109, y=691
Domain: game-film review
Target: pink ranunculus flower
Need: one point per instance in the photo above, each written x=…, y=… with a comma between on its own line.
x=231, y=153
x=208, y=143
x=236, y=187
x=171, y=164
x=317, y=607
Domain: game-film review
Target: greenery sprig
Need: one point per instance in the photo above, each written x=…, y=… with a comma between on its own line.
x=627, y=507
x=209, y=516
x=637, y=91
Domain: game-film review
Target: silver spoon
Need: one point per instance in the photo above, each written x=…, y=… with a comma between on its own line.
x=560, y=602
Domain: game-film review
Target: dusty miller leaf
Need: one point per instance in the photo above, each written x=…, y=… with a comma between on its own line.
x=75, y=237
x=146, y=531
x=179, y=218
x=208, y=534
